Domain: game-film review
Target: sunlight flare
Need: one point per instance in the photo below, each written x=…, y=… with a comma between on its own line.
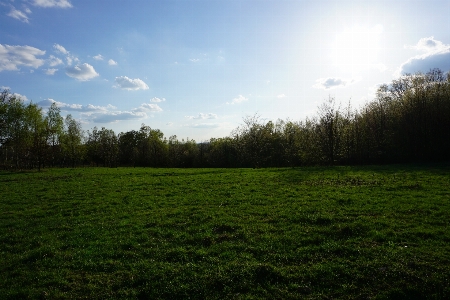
x=357, y=47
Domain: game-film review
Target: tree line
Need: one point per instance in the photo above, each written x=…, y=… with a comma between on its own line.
x=408, y=121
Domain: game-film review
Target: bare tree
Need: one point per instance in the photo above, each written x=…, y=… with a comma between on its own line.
x=328, y=130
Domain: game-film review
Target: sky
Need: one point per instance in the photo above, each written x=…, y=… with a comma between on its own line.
x=196, y=68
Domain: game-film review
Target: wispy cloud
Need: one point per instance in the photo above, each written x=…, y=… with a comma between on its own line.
x=116, y=116
x=148, y=107
x=60, y=49
x=112, y=62
x=129, y=84
x=202, y=116
x=54, y=61
x=98, y=57
x=157, y=100
x=239, y=99
x=76, y=107
x=52, y=3
x=19, y=15
x=204, y=125
x=51, y=71
x=99, y=114
x=69, y=57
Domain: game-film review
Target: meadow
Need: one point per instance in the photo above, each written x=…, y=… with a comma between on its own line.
x=366, y=232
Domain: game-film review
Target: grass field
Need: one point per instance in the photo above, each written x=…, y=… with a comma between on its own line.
x=374, y=232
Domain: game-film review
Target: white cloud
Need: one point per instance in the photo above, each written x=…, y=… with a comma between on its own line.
x=70, y=60
x=19, y=15
x=52, y=3
x=19, y=96
x=54, y=61
x=437, y=55
x=280, y=96
x=15, y=95
x=157, y=100
x=202, y=116
x=148, y=107
x=239, y=99
x=112, y=62
x=98, y=57
x=60, y=49
x=69, y=57
x=47, y=102
x=81, y=72
x=103, y=114
x=130, y=84
x=425, y=63
x=332, y=82
x=51, y=71
x=113, y=117
x=89, y=109
x=194, y=60
x=204, y=125
x=12, y=57
x=428, y=44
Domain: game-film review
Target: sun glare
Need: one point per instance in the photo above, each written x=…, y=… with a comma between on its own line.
x=357, y=47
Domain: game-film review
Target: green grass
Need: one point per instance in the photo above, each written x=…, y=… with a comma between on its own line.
x=375, y=232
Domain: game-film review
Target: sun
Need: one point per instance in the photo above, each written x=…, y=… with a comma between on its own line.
x=357, y=47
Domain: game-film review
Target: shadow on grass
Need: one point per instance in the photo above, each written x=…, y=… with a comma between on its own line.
x=351, y=173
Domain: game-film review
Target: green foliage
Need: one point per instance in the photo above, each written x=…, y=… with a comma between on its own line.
x=71, y=141
x=55, y=130
x=374, y=232
x=102, y=147
x=406, y=122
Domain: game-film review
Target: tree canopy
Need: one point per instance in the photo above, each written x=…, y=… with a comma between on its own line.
x=407, y=121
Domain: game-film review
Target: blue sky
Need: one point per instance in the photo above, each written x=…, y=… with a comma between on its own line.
x=195, y=68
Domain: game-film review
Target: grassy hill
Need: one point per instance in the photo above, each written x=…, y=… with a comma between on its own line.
x=313, y=233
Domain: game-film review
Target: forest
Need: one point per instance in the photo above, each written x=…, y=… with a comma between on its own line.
x=407, y=121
